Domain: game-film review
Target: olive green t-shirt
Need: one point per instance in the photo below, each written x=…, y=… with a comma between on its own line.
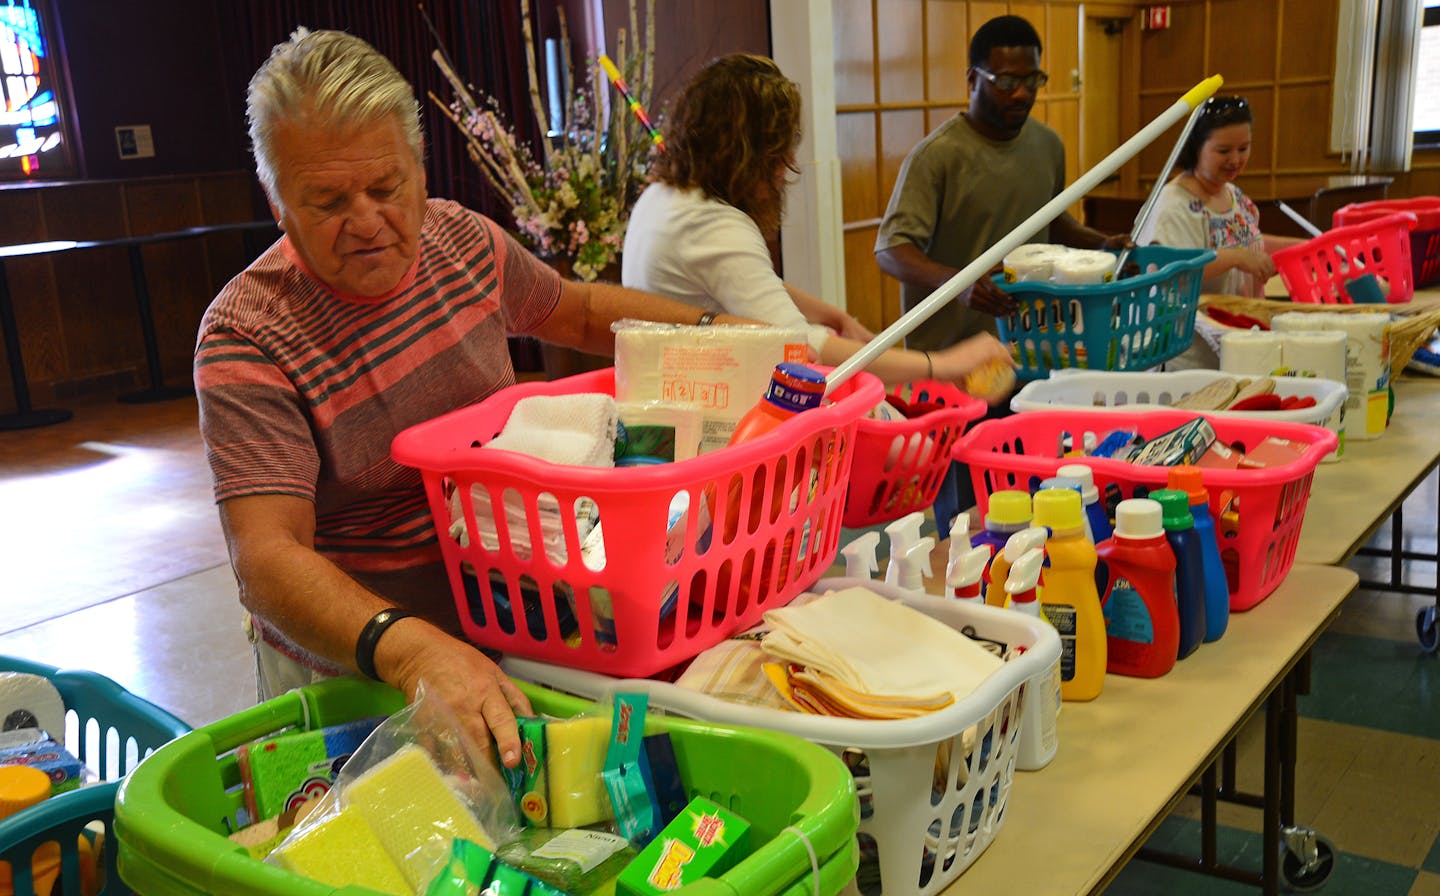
x=958, y=194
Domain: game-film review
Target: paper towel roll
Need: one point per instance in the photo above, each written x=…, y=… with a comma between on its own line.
x=1294, y=321
x=31, y=701
x=1367, y=349
x=1251, y=353
x=1317, y=353
x=1083, y=267
x=1033, y=261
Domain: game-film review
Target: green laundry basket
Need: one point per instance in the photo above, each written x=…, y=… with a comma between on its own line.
x=173, y=813
x=136, y=726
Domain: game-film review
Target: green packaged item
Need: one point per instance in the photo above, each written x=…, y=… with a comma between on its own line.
x=580, y=861
x=473, y=867
x=705, y=840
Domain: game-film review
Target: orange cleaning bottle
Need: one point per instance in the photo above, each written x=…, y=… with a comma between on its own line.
x=1142, y=621
x=1068, y=596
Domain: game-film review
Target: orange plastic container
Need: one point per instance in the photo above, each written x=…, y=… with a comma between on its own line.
x=1258, y=511
x=665, y=590
x=900, y=464
x=1424, y=239
x=1317, y=270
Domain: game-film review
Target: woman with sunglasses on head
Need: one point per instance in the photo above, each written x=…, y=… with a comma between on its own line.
x=1202, y=207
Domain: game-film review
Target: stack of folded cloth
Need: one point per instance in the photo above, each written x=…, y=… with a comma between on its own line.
x=576, y=430
x=857, y=655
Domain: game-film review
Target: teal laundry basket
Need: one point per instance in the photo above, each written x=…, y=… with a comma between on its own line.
x=114, y=730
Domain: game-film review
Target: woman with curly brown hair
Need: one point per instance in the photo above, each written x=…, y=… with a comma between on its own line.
x=698, y=232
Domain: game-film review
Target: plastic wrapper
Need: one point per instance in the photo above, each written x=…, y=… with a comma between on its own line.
x=413, y=787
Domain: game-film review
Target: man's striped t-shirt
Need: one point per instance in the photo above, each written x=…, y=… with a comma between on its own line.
x=302, y=389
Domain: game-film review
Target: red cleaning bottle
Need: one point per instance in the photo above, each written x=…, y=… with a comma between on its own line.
x=1142, y=621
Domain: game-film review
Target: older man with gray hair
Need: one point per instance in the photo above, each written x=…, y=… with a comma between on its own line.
x=377, y=309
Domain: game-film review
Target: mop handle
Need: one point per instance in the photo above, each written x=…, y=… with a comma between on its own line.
x=1041, y=218
x=1143, y=217
x=1298, y=218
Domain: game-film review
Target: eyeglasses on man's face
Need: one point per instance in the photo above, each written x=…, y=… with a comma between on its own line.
x=1011, y=83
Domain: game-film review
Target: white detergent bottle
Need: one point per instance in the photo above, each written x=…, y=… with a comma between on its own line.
x=860, y=556
x=903, y=534
x=965, y=575
x=1039, y=737
x=915, y=565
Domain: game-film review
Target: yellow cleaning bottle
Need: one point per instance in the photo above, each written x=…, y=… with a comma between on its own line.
x=1068, y=596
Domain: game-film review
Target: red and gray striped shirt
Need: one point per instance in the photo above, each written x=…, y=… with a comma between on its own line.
x=302, y=389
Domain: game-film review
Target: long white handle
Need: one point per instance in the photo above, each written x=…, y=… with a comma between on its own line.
x=1144, y=215
x=1298, y=218
x=1048, y=212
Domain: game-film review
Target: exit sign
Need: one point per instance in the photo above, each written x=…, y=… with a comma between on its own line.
x=1156, y=18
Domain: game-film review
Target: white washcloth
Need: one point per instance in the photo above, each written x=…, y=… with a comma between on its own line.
x=577, y=430
x=878, y=646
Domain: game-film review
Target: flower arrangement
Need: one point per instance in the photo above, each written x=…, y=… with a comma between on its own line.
x=571, y=196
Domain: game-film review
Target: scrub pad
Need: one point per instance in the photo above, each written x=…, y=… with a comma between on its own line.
x=410, y=806
x=343, y=851
x=576, y=749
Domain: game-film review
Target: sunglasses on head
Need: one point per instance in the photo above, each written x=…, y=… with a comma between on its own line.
x=1225, y=105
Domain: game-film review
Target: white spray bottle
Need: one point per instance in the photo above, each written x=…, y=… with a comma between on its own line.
x=915, y=565
x=964, y=576
x=904, y=533
x=1016, y=546
x=860, y=556
x=1038, y=736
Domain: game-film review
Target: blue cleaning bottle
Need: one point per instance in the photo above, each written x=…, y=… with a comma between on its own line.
x=1187, y=478
x=1095, y=512
x=1189, y=567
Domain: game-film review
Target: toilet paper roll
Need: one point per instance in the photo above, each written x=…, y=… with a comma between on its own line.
x=1251, y=353
x=1033, y=261
x=1083, y=267
x=1294, y=321
x=1317, y=353
x=31, y=701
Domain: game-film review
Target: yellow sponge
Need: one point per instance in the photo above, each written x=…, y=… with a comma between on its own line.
x=575, y=756
x=343, y=851
x=409, y=805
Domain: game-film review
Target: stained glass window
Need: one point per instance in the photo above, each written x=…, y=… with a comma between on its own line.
x=32, y=135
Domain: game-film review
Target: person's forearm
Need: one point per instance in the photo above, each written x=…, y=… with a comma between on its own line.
x=893, y=366
x=1067, y=231
x=1274, y=244
x=906, y=263
x=815, y=310
x=583, y=317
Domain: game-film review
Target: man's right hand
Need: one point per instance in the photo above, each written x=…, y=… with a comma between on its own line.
x=987, y=297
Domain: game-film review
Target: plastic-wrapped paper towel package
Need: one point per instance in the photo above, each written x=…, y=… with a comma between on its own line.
x=723, y=370
x=1367, y=363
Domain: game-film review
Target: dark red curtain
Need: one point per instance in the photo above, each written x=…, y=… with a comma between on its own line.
x=481, y=37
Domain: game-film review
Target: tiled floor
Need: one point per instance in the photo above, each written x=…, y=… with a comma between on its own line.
x=114, y=562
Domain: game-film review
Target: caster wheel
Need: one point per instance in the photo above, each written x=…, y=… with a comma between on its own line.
x=1299, y=874
x=1427, y=630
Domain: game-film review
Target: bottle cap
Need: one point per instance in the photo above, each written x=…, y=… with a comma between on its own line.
x=1059, y=508
x=795, y=387
x=21, y=787
x=966, y=569
x=1008, y=508
x=1139, y=518
x=1082, y=474
x=1175, y=505
x=1187, y=478
x=859, y=555
x=1066, y=482
x=1025, y=575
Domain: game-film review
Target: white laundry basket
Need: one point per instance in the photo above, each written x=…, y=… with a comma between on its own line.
x=927, y=815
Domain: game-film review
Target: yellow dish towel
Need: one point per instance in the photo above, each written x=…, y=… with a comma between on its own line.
x=877, y=646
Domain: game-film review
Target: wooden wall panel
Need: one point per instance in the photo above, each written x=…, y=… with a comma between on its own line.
x=947, y=54
x=855, y=135
x=1172, y=60
x=854, y=27
x=1307, y=39
x=1242, y=37
x=864, y=295
x=898, y=23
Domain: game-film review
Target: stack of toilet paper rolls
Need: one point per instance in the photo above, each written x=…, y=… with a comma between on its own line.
x=1316, y=353
x=1058, y=264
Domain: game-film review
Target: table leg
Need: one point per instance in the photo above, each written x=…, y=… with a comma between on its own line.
x=25, y=416
x=158, y=391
